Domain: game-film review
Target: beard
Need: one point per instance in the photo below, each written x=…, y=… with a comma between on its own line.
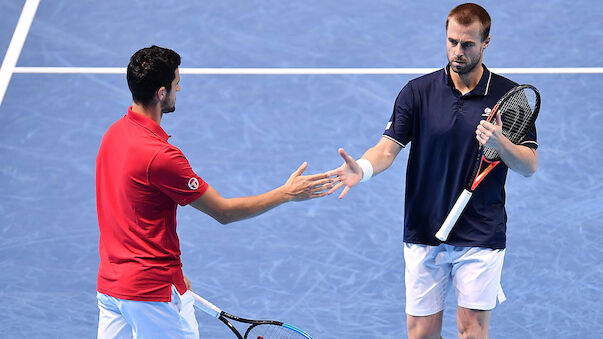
x=464, y=68
x=168, y=106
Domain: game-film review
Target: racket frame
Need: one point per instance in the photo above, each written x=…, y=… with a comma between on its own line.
x=211, y=309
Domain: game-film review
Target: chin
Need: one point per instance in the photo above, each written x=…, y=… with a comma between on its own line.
x=169, y=109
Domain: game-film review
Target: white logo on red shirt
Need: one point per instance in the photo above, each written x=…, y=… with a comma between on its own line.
x=193, y=183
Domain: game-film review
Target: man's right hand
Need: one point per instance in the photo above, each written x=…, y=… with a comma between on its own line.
x=303, y=187
x=348, y=175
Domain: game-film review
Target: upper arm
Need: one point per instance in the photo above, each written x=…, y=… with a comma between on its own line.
x=171, y=173
x=382, y=155
x=532, y=154
x=521, y=159
x=388, y=147
x=400, y=125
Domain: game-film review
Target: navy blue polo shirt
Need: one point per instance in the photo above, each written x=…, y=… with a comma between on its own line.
x=440, y=123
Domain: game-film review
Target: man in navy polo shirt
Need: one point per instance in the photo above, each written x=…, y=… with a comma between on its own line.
x=140, y=181
x=441, y=116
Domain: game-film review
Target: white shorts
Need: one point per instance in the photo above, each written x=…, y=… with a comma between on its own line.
x=431, y=270
x=119, y=318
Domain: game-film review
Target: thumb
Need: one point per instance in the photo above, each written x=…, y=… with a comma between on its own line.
x=348, y=159
x=301, y=169
x=498, y=119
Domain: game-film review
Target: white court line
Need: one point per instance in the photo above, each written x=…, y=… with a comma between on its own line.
x=16, y=44
x=309, y=71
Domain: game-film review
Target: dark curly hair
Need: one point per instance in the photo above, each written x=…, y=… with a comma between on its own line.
x=150, y=69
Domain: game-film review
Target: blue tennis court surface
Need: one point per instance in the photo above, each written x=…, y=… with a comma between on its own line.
x=331, y=267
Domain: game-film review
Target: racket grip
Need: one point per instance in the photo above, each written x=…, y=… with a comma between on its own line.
x=205, y=305
x=453, y=215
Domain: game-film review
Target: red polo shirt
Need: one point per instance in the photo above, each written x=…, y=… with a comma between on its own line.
x=140, y=181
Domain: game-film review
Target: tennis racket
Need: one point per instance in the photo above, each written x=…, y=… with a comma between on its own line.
x=257, y=329
x=518, y=111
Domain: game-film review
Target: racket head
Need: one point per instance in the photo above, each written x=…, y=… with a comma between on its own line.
x=275, y=330
x=518, y=110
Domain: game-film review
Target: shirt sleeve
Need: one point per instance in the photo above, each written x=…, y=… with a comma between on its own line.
x=399, y=127
x=531, y=139
x=171, y=173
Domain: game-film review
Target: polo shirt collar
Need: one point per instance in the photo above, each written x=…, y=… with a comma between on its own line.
x=147, y=123
x=483, y=86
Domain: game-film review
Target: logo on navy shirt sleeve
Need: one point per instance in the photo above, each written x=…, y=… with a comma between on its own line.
x=193, y=183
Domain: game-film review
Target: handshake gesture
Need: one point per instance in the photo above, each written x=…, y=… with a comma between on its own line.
x=300, y=187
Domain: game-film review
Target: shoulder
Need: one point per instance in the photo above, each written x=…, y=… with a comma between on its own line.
x=500, y=85
x=166, y=154
x=422, y=84
x=429, y=79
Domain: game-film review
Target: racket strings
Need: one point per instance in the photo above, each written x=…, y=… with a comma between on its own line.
x=270, y=331
x=517, y=116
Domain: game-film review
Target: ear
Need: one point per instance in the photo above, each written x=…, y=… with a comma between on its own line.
x=486, y=42
x=161, y=93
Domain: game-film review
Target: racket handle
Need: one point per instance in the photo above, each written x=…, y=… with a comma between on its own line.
x=206, y=306
x=453, y=215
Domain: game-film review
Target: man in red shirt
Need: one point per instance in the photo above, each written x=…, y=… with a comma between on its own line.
x=140, y=181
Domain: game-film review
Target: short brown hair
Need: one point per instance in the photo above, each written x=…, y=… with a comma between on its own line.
x=468, y=13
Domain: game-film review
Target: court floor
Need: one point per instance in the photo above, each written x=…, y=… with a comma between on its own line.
x=332, y=267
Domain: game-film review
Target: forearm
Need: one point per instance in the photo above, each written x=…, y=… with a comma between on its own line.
x=381, y=156
x=246, y=207
x=518, y=158
x=298, y=187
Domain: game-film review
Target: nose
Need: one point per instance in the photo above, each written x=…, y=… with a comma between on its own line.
x=458, y=50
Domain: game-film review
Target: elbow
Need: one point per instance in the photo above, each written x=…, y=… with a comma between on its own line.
x=530, y=171
x=532, y=165
x=224, y=218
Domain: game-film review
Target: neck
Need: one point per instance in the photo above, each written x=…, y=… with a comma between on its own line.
x=466, y=82
x=153, y=112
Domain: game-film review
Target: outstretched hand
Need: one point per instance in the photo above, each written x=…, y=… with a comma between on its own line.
x=348, y=175
x=303, y=187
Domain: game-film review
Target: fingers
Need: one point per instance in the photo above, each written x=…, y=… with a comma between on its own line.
x=318, y=195
x=318, y=176
x=482, y=134
x=189, y=285
x=323, y=182
x=336, y=172
x=335, y=188
x=484, y=129
x=344, y=192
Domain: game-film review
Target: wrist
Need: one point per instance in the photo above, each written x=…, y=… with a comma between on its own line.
x=283, y=194
x=367, y=169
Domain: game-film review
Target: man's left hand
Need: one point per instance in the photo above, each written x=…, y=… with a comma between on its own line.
x=189, y=285
x=489, y=134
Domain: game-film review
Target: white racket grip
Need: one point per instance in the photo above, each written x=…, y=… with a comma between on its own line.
x=453, y=215
x=205, y=305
